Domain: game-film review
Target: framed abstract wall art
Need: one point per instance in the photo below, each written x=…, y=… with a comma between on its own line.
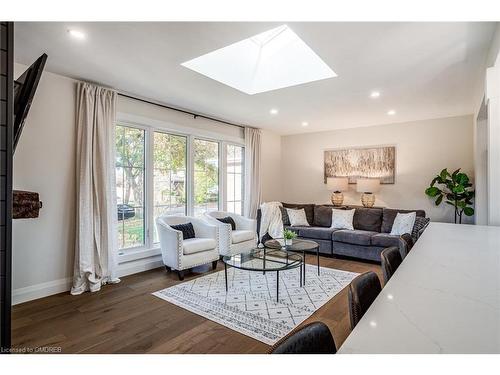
x=368, y=162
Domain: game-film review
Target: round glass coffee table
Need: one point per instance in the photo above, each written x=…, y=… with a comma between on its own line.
x=265, y=260
x=298, y=245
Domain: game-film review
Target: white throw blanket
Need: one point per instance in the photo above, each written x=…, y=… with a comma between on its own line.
x=271, y=220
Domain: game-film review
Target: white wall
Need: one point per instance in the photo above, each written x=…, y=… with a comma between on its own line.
x=423, y=148
x=481, y=135
x=270, y=166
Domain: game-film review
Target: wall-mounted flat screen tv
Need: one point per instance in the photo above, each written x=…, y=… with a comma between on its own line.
x=24, y=92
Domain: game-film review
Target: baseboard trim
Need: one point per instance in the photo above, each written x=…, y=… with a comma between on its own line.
x=50, y=288
x=41, y=290
x=129, y=268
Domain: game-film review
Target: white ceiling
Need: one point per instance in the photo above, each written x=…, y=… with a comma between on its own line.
x=423, y=70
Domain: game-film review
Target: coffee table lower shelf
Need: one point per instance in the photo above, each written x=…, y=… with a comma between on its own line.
x=266, y=260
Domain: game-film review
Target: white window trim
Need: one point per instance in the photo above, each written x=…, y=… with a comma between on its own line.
x=149, y=249
x=224, y=160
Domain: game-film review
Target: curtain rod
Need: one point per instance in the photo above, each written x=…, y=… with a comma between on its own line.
x=195, y=115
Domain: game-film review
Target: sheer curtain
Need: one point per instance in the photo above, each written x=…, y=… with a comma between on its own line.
x=96, y=218
x=252, y=175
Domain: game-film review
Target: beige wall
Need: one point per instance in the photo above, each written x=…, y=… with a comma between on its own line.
x=423, y=148
x=44, y=162
x=270, y=166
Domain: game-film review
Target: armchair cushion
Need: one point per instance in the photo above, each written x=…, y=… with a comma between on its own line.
x=187, y=230
x=228, y=220
x=196, y=245
x=239, y=236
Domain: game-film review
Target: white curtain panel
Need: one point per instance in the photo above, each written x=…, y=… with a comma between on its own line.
x=252, y=175
x=96, y=217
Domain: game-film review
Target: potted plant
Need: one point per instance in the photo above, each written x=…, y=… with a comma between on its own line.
x=289, y=236
x=457, y=191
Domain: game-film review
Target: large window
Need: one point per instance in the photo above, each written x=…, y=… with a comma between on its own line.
x=169, y=175
x=164, y=173
x=206, y=176
x=130, y=167
x=234, y=178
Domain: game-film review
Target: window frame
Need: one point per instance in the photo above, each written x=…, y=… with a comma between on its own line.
x=145, y=188
x=150, y=198
x=220, y=197
x=243, y=174
x=150, y=126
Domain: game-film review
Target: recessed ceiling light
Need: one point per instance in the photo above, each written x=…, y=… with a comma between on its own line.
x=374, y=94
x=273, y=111
x=391, y=112
x=305, y=123
x=76, y=34
x=271, y=60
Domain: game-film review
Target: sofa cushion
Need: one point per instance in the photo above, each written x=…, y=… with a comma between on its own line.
x=319, y=233
x=297, y=217
x=357, y=251
x=308, y=208
x=389, y=214
x=238, y=236
x=368, y=219
x=196, y=245
x=284, y=216
x=355, y=237
x=419, y=226
x=403, y=223
x=322, y=216
x=385, y=240
x=342, y=219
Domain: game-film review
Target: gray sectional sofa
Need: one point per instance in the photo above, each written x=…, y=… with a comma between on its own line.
x=371, y=234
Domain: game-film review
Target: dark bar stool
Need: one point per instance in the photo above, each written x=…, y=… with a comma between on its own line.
x=391, y=259
x=362, y=292
x=313, y=338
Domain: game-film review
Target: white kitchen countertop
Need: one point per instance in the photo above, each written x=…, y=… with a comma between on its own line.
x=444, y=298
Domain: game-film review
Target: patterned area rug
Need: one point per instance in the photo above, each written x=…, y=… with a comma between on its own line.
x=250, y=305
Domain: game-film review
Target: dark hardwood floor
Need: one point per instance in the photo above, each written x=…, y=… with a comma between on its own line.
x=126, y=318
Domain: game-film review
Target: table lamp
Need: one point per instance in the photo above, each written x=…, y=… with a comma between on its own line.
x=367, y=186
x=337, y=185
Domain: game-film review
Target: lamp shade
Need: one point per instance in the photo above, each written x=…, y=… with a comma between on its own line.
x=367, y=185
x=337, y=183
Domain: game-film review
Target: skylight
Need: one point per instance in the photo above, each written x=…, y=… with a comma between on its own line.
x=272, y=60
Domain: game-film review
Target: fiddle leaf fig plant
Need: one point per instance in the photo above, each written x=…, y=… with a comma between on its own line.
x=455, y=189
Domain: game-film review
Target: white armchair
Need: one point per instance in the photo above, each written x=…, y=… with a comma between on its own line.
x=180, y=254
x=240, y=240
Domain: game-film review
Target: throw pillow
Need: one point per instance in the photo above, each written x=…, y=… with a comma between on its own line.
x=420, y=223
x=186, y=229
x=228, y=220
x=403, y=223
x=342, y=219
x=284, y=216
x=297, y=217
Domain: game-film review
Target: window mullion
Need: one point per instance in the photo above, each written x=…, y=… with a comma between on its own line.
x=149, y=189
x=222, y=176
x=190, y=176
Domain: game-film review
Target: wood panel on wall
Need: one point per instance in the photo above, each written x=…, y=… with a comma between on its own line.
x=6, y=124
